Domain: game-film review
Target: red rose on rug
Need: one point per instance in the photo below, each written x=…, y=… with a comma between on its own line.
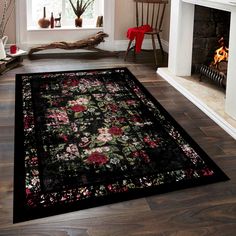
x=78, y=108
x=112, y=107
x=28, y=121
x=115, y=131
x=150, y=142
x=72, y=82
x=135, y=118
x=97, y=159
x=141, y=154
x=64, y=137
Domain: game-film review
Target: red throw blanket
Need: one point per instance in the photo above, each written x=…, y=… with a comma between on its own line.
x=137, y=33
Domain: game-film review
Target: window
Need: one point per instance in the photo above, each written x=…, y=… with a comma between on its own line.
x=63, y=7
x=28, y=33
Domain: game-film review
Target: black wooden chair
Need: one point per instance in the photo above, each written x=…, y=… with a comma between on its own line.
x=150, y=12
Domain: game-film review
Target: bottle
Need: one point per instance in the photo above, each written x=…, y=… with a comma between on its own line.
x=43, y=22
x=52, y=21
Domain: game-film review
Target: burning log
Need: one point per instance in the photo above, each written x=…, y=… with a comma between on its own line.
x=221, y=57
x=222, y=67
x=217, y=70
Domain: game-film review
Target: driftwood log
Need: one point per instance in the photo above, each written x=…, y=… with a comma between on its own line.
x=222, y=66
x=89, y=43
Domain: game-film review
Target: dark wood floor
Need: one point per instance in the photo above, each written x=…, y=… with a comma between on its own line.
x=205, y=210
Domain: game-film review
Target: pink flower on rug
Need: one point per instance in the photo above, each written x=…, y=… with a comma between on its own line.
x=79, y=101
x=62, y=117
x=59, y=116
x=130, y=102
x=72, y=103
x=207, y=172
x=141, y=154
x=97, y=158
x=33, y=161
x=82, y=101
x=28, y=191
x=78, y=108
x=117, y=131
x=95, y=83
x=104, y=137
x=117, y=189
x=103, y=130
x=135, y=154
x=72, y=149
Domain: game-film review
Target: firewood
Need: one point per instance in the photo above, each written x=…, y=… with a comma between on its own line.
x=222, y=66
x=89, y=43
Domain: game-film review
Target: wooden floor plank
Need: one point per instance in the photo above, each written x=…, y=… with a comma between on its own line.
x=205, y=210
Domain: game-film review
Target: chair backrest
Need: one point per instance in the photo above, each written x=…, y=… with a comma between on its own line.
x=150, y=12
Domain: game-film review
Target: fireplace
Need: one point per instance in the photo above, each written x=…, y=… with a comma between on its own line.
x=210, y=44
x=181, y=49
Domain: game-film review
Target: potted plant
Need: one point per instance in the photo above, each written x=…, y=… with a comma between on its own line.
x=79, y=9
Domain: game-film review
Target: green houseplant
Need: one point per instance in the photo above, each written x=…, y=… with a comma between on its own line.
x=79, y=8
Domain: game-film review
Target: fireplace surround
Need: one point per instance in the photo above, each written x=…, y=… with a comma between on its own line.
x=210, y=44
x=180, y=54
x=210, y=25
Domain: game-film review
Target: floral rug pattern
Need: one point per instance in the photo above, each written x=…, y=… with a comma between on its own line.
x=91, y=135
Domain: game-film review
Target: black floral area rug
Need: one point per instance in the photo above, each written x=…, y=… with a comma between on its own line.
x=89, y=138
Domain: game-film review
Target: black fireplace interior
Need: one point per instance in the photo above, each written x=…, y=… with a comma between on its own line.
x=210, y=25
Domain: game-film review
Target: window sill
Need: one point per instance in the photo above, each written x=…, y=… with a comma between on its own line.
x=64, y=28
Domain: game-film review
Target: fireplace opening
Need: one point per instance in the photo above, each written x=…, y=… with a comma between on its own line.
x=210, y=44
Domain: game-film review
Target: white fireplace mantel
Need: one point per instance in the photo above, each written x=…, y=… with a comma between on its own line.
x=181, y=43
x=225, y=5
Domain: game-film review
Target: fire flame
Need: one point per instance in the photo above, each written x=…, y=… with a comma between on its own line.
x=222, y=53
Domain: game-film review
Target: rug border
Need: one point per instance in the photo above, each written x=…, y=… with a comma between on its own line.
x=20, y=214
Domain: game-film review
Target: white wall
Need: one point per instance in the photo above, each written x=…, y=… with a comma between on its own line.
x=124, y=18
